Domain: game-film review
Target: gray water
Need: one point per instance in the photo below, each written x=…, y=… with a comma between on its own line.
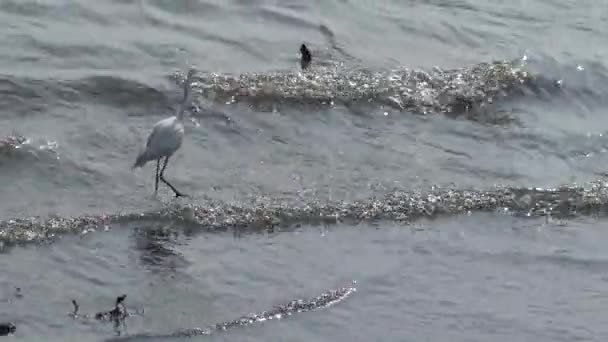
x=443, y=158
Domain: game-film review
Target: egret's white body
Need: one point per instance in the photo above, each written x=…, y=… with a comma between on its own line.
x=166, y=138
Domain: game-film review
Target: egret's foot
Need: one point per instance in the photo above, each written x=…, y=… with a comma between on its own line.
x=179, y=194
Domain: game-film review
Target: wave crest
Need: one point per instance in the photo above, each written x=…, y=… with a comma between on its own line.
x=324, y=300
x=456, y=91
x=268, y=213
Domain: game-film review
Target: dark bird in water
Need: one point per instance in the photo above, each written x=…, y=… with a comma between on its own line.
x=7, y=328
x=306, y=57
x=117, y=314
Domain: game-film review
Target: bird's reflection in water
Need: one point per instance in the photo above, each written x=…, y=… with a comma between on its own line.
x=156, y=247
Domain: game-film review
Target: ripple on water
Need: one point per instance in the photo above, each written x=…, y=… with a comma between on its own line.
x=14, y=147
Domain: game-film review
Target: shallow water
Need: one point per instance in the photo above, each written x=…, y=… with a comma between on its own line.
x=270, y=153
x=485, y=276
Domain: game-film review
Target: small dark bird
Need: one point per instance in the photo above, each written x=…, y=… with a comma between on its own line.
x=119, y=313
x=76, y=308
x=306, y=57
x=7, y=328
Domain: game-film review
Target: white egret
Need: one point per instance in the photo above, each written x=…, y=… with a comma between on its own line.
x=166, y=138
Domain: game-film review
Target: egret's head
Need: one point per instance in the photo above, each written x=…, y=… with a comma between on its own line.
x=191, y=73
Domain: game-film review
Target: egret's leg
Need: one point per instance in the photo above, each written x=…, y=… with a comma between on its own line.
x=156, y=179
x=162, y=178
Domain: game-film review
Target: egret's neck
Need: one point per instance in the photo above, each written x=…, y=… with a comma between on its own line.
x=182, y=107
x=180, y=113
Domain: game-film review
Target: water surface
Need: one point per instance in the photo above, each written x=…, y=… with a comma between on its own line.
x=400, y=164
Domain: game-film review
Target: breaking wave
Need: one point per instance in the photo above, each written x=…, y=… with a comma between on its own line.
x=565, y=201
x=469, y=91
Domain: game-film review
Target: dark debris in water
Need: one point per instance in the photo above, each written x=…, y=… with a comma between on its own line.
x=268, y=213
x=295, y=306
x=456, y=91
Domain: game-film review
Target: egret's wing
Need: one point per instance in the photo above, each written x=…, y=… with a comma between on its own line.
x=154, y=132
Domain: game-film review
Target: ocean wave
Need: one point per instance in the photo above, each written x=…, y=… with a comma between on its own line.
x=324, y=300
x=456, y=91
x=120, y=92
x=268, y=213
x=471, y=91
x=25, y=95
